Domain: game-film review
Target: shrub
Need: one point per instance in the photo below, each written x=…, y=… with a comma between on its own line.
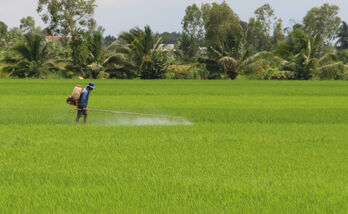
x=273, y=74
x=103, y=75
x=214, y=70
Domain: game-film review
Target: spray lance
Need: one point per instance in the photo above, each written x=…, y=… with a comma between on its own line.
x=120, y=112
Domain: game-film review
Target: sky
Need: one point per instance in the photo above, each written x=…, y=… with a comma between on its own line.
x=117, y=16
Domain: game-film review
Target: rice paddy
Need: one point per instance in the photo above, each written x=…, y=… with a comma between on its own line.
x=233, y=147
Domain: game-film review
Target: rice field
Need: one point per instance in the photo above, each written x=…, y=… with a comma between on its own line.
x=229, y=147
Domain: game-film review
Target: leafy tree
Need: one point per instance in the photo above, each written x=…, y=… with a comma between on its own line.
x=171, y=38
x=266, y=18
x=222, y=27
x=93, y=26
x=12, y=37
x=192, y=33
x=3, y=33
x=27, y=24
x=278, y=33
x=66, y=17
x=224, y=38
x=342, y=55
x=265, y=14
x=3, y=29
x=69, y=17
x=342, y=42
x=255, y=36
x=323, y=22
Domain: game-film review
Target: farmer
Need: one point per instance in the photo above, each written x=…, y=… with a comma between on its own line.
x=82, y=107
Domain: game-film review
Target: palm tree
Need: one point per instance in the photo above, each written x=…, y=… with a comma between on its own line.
x=142, y=42
x=32, y=58
x=243, y=62
x=145, y=51
x=230, y=65
x=113, y=57
x=309, y=60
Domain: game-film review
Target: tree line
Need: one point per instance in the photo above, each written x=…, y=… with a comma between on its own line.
x=214, y=44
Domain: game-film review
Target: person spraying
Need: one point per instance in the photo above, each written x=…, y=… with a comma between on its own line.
x=83, y=102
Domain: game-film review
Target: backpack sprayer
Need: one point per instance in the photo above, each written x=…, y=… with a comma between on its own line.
x=75, y=98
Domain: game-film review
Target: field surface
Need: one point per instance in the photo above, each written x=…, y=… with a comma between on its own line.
x=232, y=147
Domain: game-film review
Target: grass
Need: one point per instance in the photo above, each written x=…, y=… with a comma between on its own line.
x=254, y=147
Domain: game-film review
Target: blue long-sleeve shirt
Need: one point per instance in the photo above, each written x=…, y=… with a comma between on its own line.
x=84, y=98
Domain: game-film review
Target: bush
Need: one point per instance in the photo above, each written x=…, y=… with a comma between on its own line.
x=213, y=68
x=342, y=76
x=196, y=71
x=3, y=74
x=282, y=75
x=103, y=75
x=178, y=72
x=121, y=73
x=334, y=72
x=273, y=74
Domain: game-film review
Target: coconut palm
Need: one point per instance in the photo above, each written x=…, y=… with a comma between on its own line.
x=243, y=62
x=103, y=59
x=145, y=49
x=308, y=60
x=230, y=65
x=142, y=42
x=31, y=57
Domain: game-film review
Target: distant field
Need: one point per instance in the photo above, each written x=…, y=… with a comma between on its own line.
x=238, y=147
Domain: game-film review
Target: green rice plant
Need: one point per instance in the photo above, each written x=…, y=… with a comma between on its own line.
x=249, y=147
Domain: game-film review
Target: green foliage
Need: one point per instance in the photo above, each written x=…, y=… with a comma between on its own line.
x=265, y=14
x=342, y=42
x=273, y=74
x=323, y=22
x=154, y=65
x=79, y=54
x=256, y=38
x=32, y=60
x=223, y=30
x=60, y=52
x=143, y=50
x=27, y=24
x=3, y=30
x=73, y=17
x=171, y=38
x=66, y=17
x=303, y=54
x=3, y=33
x=230, y=67
x=192, y=31
x=214, y=69
x=342, y=55
x=278, y=33
x=185, y=72
x=257, y=63
x=109, y=40
x=12, y=37
x=234, y=47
